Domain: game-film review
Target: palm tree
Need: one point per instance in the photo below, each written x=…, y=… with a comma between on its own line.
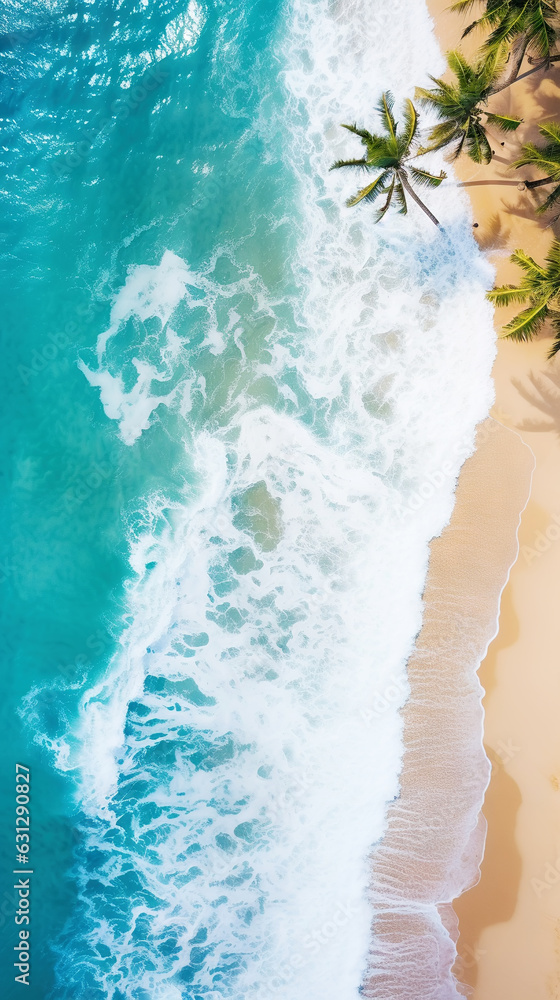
x=458, y=105
x=388, y=154
x=547, y=159
x=527, y=25
x=540, y=287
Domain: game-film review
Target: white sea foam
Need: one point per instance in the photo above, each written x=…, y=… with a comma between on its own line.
x=152, y=293
x=228, y=756
x=183, y=32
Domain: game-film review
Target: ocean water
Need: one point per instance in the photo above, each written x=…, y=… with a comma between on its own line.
x=235, y=412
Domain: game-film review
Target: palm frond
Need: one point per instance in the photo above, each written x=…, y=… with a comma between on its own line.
x=553, y=259
x=507, y=294
x=551, y=130
x=524, y=326
x=425, y=179
x=442, y=98
x=530, y=153
x=410, y=124
x=477, y=144
x=400, y=198
x=424, y=95
x=385, y=110
x=445, y=91
x=440, y=136
x=553, y=197
x=384, y=208
x=555, y=321
x=481, y=22
x=546, y=159
x=492, y=64
x=541, y=34
x=531, y=21
x=463, y=6
x=550, y=151
x=370, y=192
x=471, y=27
x=527, y=264
x=460, y=66
x=507, y=28
x=381, y=151
x=503, y=122
x=349, y=163
x=364, y=135
x=459, y=147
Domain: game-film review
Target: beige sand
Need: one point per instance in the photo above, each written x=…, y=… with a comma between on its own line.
x=509, y=942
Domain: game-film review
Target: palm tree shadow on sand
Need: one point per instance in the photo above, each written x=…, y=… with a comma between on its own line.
x=542, y=391
x=496, y=235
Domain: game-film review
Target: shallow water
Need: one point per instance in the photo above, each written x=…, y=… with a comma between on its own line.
x=237, y=411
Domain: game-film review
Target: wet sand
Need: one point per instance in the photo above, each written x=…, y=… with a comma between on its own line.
x=434, y=836
x=509, y=923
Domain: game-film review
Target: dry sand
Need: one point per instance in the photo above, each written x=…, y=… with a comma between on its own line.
x=509, y=943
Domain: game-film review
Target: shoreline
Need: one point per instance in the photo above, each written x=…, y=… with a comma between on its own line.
x=434, y=838
x=509, y=922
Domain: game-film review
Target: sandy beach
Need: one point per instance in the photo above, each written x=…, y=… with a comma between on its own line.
x=509, y=923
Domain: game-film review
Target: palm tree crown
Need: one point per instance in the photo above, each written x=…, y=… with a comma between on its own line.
x=458, y=105
x=532, y=23
x=547, y=159
x=388, y=154
x=540, y=287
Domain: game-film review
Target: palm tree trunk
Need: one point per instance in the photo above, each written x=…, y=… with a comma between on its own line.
x=409, y=190
x=517, y=55
x=538, y=184
x=539, y=63
x=537, y=66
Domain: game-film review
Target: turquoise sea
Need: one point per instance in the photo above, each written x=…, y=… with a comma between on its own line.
x=227, y=404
